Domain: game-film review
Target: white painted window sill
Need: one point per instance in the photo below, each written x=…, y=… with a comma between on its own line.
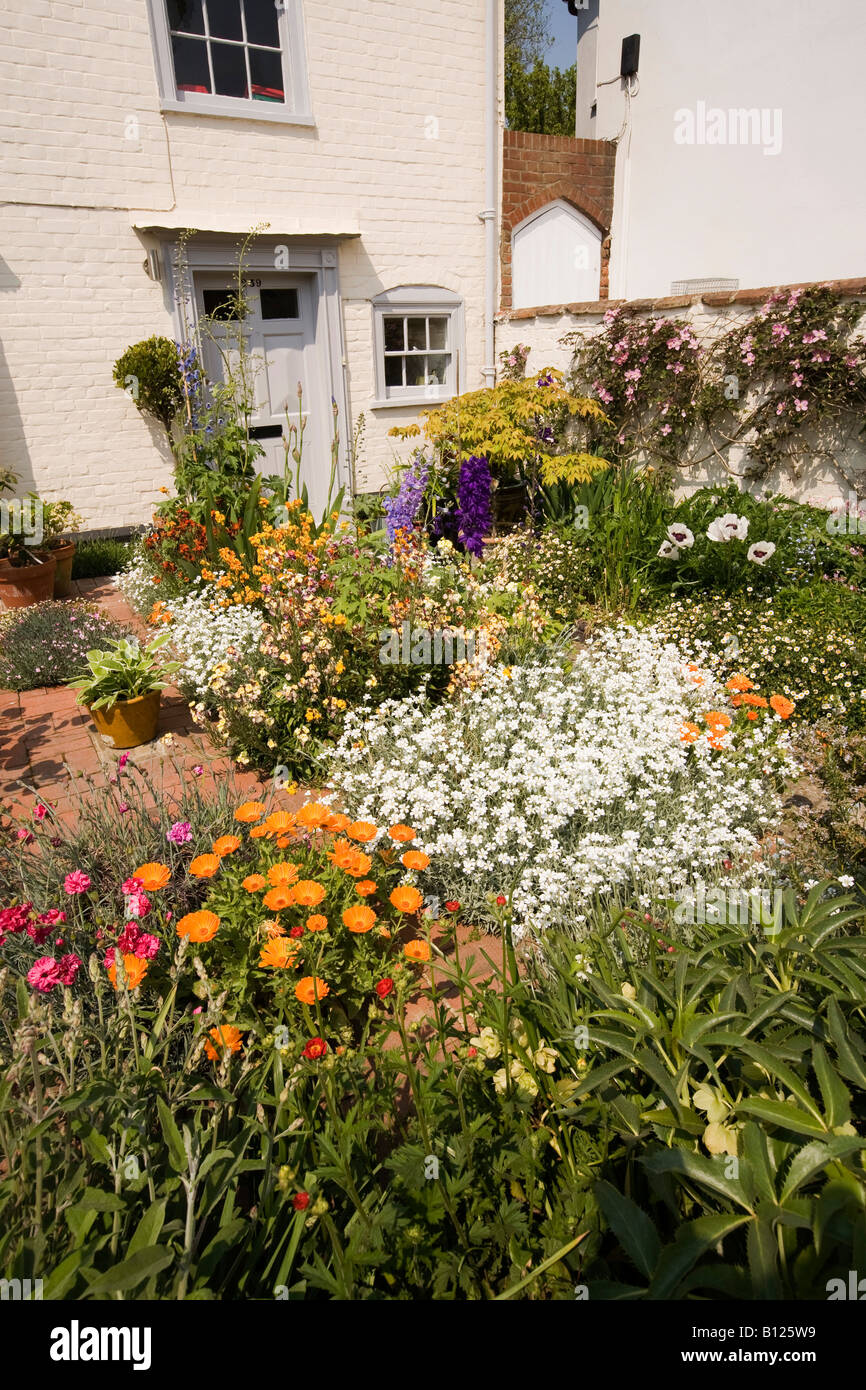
x=410, y=403
x=252, y=111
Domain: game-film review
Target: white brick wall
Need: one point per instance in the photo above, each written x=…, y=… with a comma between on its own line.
x=74, y=292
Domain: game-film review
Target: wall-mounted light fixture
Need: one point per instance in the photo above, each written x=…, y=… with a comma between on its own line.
x=153, y=266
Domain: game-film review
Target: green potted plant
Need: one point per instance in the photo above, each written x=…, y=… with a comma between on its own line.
x=59, y=523
x=122, y=688
x=26, y=573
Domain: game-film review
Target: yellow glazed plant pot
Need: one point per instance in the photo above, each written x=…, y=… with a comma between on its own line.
x=129, y=723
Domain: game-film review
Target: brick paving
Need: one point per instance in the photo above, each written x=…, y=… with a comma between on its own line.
x=50, y=749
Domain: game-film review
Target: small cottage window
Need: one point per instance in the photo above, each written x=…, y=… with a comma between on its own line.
x=231, y=57
x=417, y=338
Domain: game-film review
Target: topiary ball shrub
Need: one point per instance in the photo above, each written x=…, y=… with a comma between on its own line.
x=46, y=643
x=150, y=372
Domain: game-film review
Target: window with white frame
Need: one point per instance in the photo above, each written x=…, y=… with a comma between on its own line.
x=417, y=333
x=231, y=57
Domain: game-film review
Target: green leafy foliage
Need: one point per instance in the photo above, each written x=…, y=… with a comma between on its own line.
x=123, y=671
x=150, y=373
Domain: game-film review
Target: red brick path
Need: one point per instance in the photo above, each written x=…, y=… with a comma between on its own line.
x=50, y=750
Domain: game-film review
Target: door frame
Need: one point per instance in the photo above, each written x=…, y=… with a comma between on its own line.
x=316, y=258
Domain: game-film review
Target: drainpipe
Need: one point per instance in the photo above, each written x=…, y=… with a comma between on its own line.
x=491, y=190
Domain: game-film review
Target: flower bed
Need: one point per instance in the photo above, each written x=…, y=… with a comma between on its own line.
x=558, y=784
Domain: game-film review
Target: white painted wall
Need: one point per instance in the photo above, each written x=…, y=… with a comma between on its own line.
x=700, y=210
x=397, y=151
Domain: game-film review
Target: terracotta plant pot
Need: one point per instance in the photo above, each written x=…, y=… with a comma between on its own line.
x=64, y=555
x=129, y=723
x=23, y=585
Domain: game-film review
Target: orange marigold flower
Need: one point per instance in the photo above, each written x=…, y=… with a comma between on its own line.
x=416, y=950
x=781, y=706
x=313, y=815
x=205, y=865
x=283, y=874
x=406, y=899
x=308, y=893
x=383, y=931
x=359, y=919
x=279, y=954
x=199, y=926
x=716, y=739
x=250, y=811
x=337, y=822
x=272, y=929
x=310, y=988
x=259, y=832
x=402, y=833
x=739, y=682
x=153, y=876
x=365, y=887
x=226, y=844
x=135, y=969
x=757, y=700
x=689, y=732
x=717, y=719
x=416, y=859
x=752, y=714
x=283, y=841
x=227, y=1039
x=351, y=860
x=317, y=922
x=254, y=883
x=280, y=822
x=278, y=899
x=363, y=830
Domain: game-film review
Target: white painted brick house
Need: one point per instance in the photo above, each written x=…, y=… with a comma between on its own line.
x=358, y=132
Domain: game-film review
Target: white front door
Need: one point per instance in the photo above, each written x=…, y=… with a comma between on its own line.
x=280, y=342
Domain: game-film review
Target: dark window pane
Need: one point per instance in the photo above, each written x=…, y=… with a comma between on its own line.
x=220, y=304
x=224, y=19
x=279, y=304
x=262, y=22
x=393, y=371
x=394, y=334
x=229, y=70
x=438, y=332
x=191, y=72
x=186, y=15
x=417, y=330
x=266, y=70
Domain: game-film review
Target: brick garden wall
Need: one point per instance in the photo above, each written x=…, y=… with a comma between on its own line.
x=538, y=169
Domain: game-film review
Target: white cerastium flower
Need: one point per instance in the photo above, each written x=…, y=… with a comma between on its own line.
x=760, y=552
x=680, y=535
x=729, y=527
x=668, y=551
x=571, y=782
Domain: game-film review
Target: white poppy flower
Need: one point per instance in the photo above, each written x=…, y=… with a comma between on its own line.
x=680, y=535
x=668, y=551
x=760, y=552
x=729, y=527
